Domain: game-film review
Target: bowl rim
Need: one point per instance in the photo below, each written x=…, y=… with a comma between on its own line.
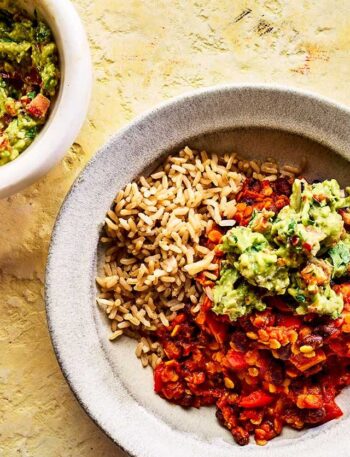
x=71, y=104
x=52, y=303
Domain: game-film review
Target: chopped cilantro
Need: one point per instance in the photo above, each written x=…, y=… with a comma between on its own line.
x=300, y=298
x=31, y=95
x=340, y=257
x=42, y=33
x=32, y=132
x=291, y=228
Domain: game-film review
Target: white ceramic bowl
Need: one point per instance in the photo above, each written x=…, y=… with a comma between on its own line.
x=257, y=122
x=70, y=107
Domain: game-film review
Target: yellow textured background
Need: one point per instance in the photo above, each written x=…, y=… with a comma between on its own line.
x=144, y=51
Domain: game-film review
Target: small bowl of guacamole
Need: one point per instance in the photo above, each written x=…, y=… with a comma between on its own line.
x=29, y=79
x=45, y=82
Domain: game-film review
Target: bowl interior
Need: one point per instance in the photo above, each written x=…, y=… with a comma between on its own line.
x=249, y=143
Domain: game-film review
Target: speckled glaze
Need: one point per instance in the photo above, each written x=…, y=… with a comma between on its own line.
x=256, y=121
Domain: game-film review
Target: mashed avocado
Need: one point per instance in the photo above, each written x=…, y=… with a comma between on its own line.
x=29, y=78
x=312, y=298
x=241, y=239
x=339, y=257
x=324, y=301
x=311, y=221
x=256, y=260
x=232, y=299
x=296, y=252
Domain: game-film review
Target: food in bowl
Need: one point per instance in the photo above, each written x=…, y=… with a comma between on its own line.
x=233, y=276
x=29, y=78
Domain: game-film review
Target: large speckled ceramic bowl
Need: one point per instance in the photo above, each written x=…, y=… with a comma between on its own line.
x=106, y=377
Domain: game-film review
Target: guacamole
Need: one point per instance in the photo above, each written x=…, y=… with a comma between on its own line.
x=235, y=299
x=29, y=78
x=311, y=219
x=339, y=257
x=297, y=253
x=256, y=259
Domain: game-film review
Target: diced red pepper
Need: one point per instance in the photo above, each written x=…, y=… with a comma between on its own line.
x=285, y=320
x=307, y=247
x=281, y=202
x=267, y=189
x=236, y=360
x=256, y=399
x=173, y=391
x=165, y=373
x=158, y=383
x=332, y=411
x=217, y=328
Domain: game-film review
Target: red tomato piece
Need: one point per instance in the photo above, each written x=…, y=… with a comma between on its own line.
x=38, y=106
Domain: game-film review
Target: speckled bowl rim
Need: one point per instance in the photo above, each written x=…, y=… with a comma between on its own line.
x=131, y=426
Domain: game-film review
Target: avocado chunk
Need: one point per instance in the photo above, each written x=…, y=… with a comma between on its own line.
x=255, y=259
x=234, y=300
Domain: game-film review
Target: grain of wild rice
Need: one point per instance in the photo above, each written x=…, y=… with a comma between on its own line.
x=153, y=233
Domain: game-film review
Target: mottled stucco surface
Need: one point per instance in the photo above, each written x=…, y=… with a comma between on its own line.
x=144, y=51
